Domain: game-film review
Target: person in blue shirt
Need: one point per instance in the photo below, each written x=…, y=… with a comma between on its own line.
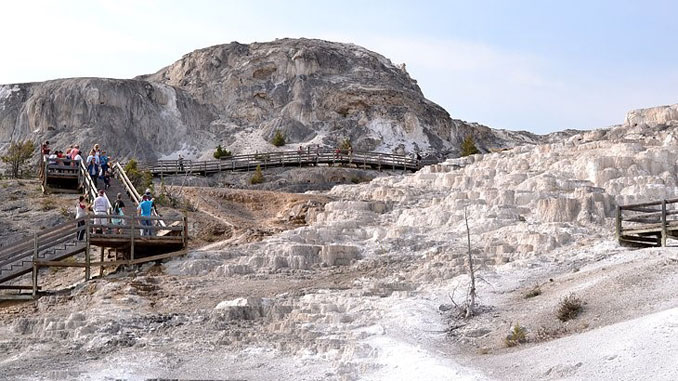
x=144, y=210
x=103, y=160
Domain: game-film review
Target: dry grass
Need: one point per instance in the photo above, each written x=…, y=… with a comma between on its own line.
x=517, y=335
x=534, y=291
x=569, y=308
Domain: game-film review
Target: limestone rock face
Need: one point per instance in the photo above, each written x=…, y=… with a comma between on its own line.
x=129, y=118
x=237, y=95
x=653, y=115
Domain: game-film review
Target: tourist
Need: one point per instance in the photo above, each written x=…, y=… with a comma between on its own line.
x=93, y=167
x=75, y=151
x=103, y=159
x=181, y=163
x=101, y=207
x=300, y=151
x=144, y=210
x=44, y=149
x=51, y=158
x=81, y=212
x=107, y=180
x=76, y=158
x=118, y=206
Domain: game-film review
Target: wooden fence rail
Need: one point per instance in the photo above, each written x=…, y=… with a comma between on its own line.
x=248, y=162
x=647, y=224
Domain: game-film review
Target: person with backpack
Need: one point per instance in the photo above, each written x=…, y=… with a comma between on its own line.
x=118, y=206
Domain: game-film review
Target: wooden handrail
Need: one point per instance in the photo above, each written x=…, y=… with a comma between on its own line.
x=247, y=161
x=132, y=190
x=649, y=225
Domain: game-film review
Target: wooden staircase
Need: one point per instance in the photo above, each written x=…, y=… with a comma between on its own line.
x=51, y=246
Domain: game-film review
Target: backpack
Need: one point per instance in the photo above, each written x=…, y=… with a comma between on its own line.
x=117, y=210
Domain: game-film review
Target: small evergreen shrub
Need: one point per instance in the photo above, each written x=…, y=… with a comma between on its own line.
x=221, y=153
x=468, y=146
x=345, y=144
x=258, y=176
x=17, y=157
x=517, y=335
x=278, y=139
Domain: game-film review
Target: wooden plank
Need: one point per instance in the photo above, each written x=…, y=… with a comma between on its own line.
x=17, y=297
x=159, y=256
x=639, y=238
x=17, y=287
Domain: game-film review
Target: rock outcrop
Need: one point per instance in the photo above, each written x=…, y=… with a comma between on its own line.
x=237, y=95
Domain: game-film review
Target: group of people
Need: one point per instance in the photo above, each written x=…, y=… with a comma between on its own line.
x=102, y=206
x=97, y=161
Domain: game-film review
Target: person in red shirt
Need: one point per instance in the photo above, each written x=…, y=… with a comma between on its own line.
x=45, y=148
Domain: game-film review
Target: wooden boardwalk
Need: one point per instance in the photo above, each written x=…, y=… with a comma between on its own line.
x=648, y=224
x=246, y=163
x=130, y=239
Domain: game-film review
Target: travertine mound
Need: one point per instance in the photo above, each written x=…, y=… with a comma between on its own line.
x=237, y=95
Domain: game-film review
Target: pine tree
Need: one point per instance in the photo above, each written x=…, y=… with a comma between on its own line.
x=258, y=176
x=278, y=139
x=468, y=147
x=17, y=156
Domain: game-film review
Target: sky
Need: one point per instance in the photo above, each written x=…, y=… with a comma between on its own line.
x=540, y=66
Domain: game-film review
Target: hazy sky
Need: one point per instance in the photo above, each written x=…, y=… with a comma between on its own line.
x=534, y=65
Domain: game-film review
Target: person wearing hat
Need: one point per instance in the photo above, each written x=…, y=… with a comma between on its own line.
x=101, y=206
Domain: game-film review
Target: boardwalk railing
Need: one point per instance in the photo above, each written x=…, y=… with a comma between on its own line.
x=50, y=246
x=647, y=224
x=60, y=169
x=374, y=160
x=131, y=190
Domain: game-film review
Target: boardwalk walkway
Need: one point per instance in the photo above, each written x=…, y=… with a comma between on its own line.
x=249, y=162
x=131, y=241
x=648, y=224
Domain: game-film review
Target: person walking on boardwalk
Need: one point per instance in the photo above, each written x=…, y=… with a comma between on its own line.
x=118, y=206
x=93, y=167
x=144, y=210
x=103, y=159
x=81, y=212
x=181, y=163
x=101, y=207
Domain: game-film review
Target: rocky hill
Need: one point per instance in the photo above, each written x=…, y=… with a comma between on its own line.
x=237, y=95
x=363, y=287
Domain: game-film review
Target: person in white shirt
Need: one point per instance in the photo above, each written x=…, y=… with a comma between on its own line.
x=101, y=207
x=81, y=212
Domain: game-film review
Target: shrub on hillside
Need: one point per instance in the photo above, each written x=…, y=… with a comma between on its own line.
x=258, y=176
x=345, y=144
x=141, y=180
x=278, y=139
x=221, y=153
x=517, y=335
x=17, y=156
x=468, y=146
x=569, y=308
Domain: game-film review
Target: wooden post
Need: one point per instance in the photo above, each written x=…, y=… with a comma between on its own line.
x=618, y=224
x=664, y=225
x=185, y=237
x=35, y=265
x=101, y=268
x=87, y=256
x=131, y=247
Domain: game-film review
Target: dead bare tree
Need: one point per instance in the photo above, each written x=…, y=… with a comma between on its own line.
x=471, y=296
